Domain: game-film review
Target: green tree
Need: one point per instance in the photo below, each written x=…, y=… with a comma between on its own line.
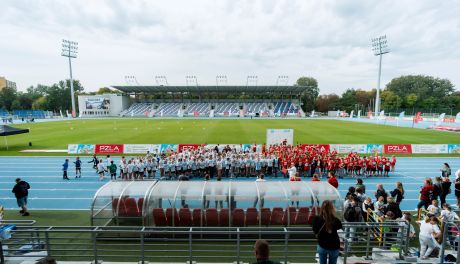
x=390, y=101
x=7, y=96
x=106, y=90
x=40, y=104
x=327, y=102
x=348, y=100
x=310, y=93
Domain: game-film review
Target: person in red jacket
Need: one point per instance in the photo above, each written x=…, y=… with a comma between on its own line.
x=426, y=194
x=333, y=180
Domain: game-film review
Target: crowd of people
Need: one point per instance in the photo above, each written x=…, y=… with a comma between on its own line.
x=226, y=162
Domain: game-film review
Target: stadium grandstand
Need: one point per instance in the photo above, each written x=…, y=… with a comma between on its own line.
x=196, y=101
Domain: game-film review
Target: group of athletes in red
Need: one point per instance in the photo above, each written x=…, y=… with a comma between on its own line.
x=315, y=159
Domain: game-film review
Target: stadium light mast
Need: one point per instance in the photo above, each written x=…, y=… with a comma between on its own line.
x=251, y=80
x=380, y=47
x=131, y=80
x=191, y=80
x=70, y=50
x=282, y=80
x=221, y=79
x=161, y=80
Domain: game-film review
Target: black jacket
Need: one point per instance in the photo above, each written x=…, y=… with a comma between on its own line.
x=397, y=193
x=21, y=189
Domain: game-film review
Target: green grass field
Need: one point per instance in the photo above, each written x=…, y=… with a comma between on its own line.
x=56, y=135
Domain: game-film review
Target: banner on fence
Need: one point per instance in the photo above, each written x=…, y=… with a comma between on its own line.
x=80, y=148
x=183, y=147
x=374, y=148
x=280, y=136
x=347, y=148
x=429, y=149
x=109, y=148
x=397, y=149
x=168, y=147
x=139, y=148
x=454, y=148
x=321, y=147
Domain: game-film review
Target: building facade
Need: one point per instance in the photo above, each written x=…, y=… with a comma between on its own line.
x=6, y=83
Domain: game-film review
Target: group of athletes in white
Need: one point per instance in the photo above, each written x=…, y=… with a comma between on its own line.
x=224, y=161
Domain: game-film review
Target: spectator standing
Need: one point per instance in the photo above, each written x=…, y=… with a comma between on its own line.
x=437, y=188
x=262, y=252
x=95, y=161
x=398, y=193
x=21, y=192
x=426, y=194
x=65, y=167
x=77, y=163
x=445, y=190
x=457, y=191
x=428, y=231
x=360, y=184
x=353, y=214
x=381, y=192
x=100, y=170
x=325, y=227
x=393, y=207
x=445, y=170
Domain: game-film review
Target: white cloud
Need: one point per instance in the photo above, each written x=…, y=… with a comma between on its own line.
x=329, y=40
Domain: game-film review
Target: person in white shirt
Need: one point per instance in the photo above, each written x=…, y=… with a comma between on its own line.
x=100, y=170
x=261, y=187
x=292, y=171
x=429, y=230
x=447, y=215
x=434, y=208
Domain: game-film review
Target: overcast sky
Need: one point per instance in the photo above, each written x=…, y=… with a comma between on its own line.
x=328, y=40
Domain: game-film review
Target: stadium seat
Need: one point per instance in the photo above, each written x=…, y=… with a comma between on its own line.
x=292, y=215
x=252, y=217
x=115, y=206
x=128, y=208
x=159, y=217
x=211, y=217
x=140, y=205
x=185, y=217
x=265, y=216
x=238, y=217
x=313, y=213
x=302, y=216
x=171, y=213
x=196, y=217
x=277, y=216
x=224, y=217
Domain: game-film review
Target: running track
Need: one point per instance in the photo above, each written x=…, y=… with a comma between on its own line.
x=49, y=191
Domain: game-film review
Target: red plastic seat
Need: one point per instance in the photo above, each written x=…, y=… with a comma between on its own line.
x=185, y=217
x=277, y=216
x=115, y=202
x=292, y=215
x=238, y=217
x=252, y=217
x=196, y=217
x=224, y=219
x=140, y=205
x=313, y=213
x=129, y=208
x=211, y=217
x=265, y=216
x=159, y=217
x=172, y=216
x=302, y=216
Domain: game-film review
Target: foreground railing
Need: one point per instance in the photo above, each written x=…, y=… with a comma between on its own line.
x=210, y=244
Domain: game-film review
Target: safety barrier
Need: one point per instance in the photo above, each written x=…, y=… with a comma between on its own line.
x=200, y=244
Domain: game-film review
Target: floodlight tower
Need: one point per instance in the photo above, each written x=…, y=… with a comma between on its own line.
x=161, y=80
x=221, y=79
x=191, y=80
x=251, y=80
x=70, y=50
x=131, y=80
x=282, y=80
x=380, y=47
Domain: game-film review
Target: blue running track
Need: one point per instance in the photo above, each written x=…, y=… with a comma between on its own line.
x=49, y=191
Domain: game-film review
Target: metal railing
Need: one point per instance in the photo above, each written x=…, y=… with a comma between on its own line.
x=199, y=244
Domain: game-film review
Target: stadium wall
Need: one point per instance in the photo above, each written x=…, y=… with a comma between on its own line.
x=102, y=105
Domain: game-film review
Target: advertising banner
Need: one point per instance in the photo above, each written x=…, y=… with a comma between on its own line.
x=373, y=148
x=138, y=148
x=81, y=149
x=109, y=148
x=322, y=147
x=183, y=147
x=347, y=148
x=454, y=148
x=168, y=147
x=97, y=103
x=429, y=149
x=278, y=136
x=397, y=149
